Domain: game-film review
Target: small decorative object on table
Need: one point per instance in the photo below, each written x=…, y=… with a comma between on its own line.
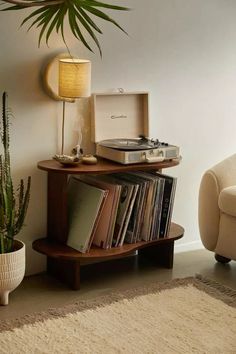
x=70, y=160
x=89, y=159
x=67, y=160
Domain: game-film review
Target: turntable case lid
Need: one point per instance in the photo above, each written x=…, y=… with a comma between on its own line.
x=119, y=115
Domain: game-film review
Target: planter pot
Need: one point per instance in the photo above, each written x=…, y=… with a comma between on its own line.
x=12, y=270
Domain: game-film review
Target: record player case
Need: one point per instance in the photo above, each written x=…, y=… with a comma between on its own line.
x=119, y=115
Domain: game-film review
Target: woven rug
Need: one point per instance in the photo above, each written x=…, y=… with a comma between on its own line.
x=190, y=315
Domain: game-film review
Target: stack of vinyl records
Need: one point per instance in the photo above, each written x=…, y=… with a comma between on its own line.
x=109, y=210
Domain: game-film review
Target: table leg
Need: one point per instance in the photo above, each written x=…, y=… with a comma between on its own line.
x=57, y=207
x=162, y=254
x=67, y=271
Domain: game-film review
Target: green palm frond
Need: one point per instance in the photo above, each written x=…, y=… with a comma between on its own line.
x=81, y=16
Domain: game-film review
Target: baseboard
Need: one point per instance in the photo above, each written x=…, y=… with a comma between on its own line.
x=190, y=246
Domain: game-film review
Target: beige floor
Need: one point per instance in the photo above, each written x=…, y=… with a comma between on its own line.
x=40, y=292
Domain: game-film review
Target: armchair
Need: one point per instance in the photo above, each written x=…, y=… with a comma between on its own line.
x=217, y=210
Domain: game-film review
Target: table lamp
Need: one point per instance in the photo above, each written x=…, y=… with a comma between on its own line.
x=74, y=82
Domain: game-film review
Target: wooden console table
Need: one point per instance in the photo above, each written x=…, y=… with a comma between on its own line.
x=63, y=261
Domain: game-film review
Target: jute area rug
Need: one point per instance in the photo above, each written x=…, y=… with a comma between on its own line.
x=190, y=315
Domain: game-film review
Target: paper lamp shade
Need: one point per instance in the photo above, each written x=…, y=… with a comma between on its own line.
x=74, y=78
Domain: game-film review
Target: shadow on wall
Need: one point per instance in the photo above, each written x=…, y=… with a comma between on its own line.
x=23, y=81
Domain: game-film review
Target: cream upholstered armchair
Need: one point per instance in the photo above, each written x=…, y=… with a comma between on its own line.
x=217, y=210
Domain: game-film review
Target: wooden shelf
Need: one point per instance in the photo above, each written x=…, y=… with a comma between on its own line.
x=63, y=261
x=57, y=250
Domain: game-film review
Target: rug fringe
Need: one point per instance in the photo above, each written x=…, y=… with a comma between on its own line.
x=217, y=290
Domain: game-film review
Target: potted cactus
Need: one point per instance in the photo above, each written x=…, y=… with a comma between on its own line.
x=13, y=208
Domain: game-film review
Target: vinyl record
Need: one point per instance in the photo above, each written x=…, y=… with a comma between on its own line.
x=127, y=144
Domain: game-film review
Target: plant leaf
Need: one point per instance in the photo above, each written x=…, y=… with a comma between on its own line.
x=50, y=17
x=52, y=25
x=38, y=19
x=88, y=29
x=23, y=210
x=108, y=6
x=88, y=19
x=75, y=28
x=35, y=13
x=103, y=16
x=60, y=21
x=11, y=218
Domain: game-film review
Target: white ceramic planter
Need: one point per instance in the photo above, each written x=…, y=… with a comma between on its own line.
x=12, y=270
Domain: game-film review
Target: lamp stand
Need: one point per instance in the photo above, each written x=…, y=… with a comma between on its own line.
x=66, y=160
x=63, y=128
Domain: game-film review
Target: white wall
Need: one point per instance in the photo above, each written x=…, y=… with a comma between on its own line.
x=182, y=51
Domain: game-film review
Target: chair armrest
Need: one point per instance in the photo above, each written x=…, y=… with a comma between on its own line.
x=208, y=210
x=227, y=201
x=225, y=172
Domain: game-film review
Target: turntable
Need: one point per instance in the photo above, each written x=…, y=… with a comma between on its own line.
x=119, y=125
x=130, y=151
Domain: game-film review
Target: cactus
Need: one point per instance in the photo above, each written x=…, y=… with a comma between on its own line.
x=13, y=205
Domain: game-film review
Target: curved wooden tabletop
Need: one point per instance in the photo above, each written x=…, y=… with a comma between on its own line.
x=103, y=166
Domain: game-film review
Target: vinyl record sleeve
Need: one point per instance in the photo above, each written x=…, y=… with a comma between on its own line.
x=85, y=204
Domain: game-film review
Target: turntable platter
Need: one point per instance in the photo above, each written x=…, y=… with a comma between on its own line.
x=127, y=144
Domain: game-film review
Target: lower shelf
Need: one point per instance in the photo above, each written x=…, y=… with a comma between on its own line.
x=57, y=250
x=64, y=262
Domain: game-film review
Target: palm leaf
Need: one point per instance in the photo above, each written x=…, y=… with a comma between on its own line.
x=35, y=13
x=45, y=22
x=50, y=17
x=88, y=19
x=103, y=16
x=38, y=19
x=14, y=7
x=75, y=28
x=60, y=22
x=102, y=4
x=88, y=29
x=52, y=25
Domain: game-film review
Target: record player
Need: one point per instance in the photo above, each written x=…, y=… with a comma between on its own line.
x=129, y=151
x=120, y=126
